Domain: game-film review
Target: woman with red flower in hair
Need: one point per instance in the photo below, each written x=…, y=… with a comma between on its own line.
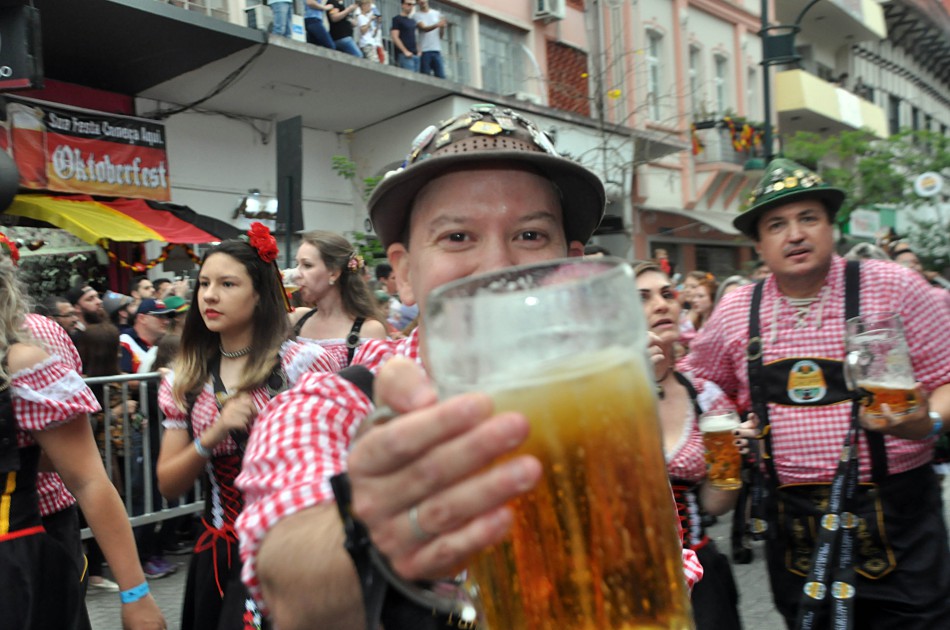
x=233, y=359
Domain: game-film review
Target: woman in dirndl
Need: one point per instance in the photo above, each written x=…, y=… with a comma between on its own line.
x=233, y=359
x=44, y=406
x=329, y=273
x=682, y=398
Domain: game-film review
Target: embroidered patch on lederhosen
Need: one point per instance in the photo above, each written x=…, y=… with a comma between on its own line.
x=806, y=382
x=801, y=509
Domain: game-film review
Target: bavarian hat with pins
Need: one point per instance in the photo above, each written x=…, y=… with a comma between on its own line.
x=484, y=134
x=786, y=181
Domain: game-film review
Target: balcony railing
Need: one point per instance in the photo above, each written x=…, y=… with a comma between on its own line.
x=214, y=8
x=718, y=148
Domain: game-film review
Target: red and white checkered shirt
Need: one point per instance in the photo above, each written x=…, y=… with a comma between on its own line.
x=296, y=358
x=302, y=439
x=46, y=396
x=807, y=440
x=53, y=495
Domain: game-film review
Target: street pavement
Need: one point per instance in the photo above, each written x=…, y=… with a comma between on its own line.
x=755, y=599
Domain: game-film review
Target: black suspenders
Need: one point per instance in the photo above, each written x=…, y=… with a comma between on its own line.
x=758, y=394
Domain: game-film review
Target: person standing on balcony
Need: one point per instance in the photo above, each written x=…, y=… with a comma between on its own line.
x=283, y=11
x=403, y=34
x=431, y=25
x=313, y=24
x=370, y=36
x=341, y=27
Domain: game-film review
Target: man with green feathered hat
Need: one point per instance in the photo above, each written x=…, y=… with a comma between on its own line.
x=778, y=348
x=784, y=181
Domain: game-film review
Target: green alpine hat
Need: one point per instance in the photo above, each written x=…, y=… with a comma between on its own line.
x=786, y=181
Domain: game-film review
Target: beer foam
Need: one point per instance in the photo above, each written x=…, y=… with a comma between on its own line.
x=721, y=422
x=570, y=368
x=894, y=381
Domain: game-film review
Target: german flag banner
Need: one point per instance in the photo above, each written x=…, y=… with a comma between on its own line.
x=65, y=149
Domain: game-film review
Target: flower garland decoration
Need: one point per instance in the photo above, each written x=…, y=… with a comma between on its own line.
x=140, y=267
x=11, y=249
x=260, y=238
x=698, y=146
x=355, y=263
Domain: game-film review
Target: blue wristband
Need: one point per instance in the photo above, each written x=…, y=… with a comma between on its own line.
x=201, y=449
x=135, y=593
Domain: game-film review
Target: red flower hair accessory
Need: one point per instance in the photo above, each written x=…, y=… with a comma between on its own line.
x=260, y=238
x=11, y=248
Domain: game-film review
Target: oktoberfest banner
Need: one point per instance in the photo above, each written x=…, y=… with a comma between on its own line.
x=71, y=150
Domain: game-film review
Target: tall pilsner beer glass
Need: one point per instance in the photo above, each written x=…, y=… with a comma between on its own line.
x=594, y=546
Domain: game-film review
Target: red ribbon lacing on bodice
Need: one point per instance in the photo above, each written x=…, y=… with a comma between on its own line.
x=686, y=525
x=225, y=470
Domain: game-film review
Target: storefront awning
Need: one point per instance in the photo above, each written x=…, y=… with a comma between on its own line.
x=125, y=220
x=721, y=221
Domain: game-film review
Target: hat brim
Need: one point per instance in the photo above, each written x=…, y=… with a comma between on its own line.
x=582, y=194
x=112, y=306
x=164, y=311
x=747, y=221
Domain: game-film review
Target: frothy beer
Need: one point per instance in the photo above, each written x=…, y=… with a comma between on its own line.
x=594, y=546
x=723, y=462
x=900, y=398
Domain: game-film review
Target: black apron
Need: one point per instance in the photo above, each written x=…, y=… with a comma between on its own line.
x=215, y=596
x=896, y=557
x=39, y=580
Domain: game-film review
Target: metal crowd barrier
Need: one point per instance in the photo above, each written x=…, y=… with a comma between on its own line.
x=139, y=497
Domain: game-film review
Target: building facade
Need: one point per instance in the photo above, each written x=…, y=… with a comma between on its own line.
x=662, y=98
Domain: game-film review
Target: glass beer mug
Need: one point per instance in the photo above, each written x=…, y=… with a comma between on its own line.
x=878, y=362
x=723, y=461
x=594, y=545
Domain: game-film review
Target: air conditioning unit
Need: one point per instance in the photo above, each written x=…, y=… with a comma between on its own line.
x=548, y=10
x=259, y=16
x=530, y=97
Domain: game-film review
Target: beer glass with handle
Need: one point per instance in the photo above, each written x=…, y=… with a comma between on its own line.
x=594, y=546
x=878, y=362
x=722, y=457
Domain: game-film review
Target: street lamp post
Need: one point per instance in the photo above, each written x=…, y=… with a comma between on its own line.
x=778, y=47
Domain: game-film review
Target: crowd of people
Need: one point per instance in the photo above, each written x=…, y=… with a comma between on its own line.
x=258, y=398
x=357, y=29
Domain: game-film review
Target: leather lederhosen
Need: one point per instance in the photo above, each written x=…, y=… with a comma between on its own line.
x=885, y=542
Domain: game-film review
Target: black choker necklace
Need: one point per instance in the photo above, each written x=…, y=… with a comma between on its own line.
x=660, y=392
x=237, y=354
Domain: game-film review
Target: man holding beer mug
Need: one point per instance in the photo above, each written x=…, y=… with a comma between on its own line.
x=778, y=349
x=480, y=192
